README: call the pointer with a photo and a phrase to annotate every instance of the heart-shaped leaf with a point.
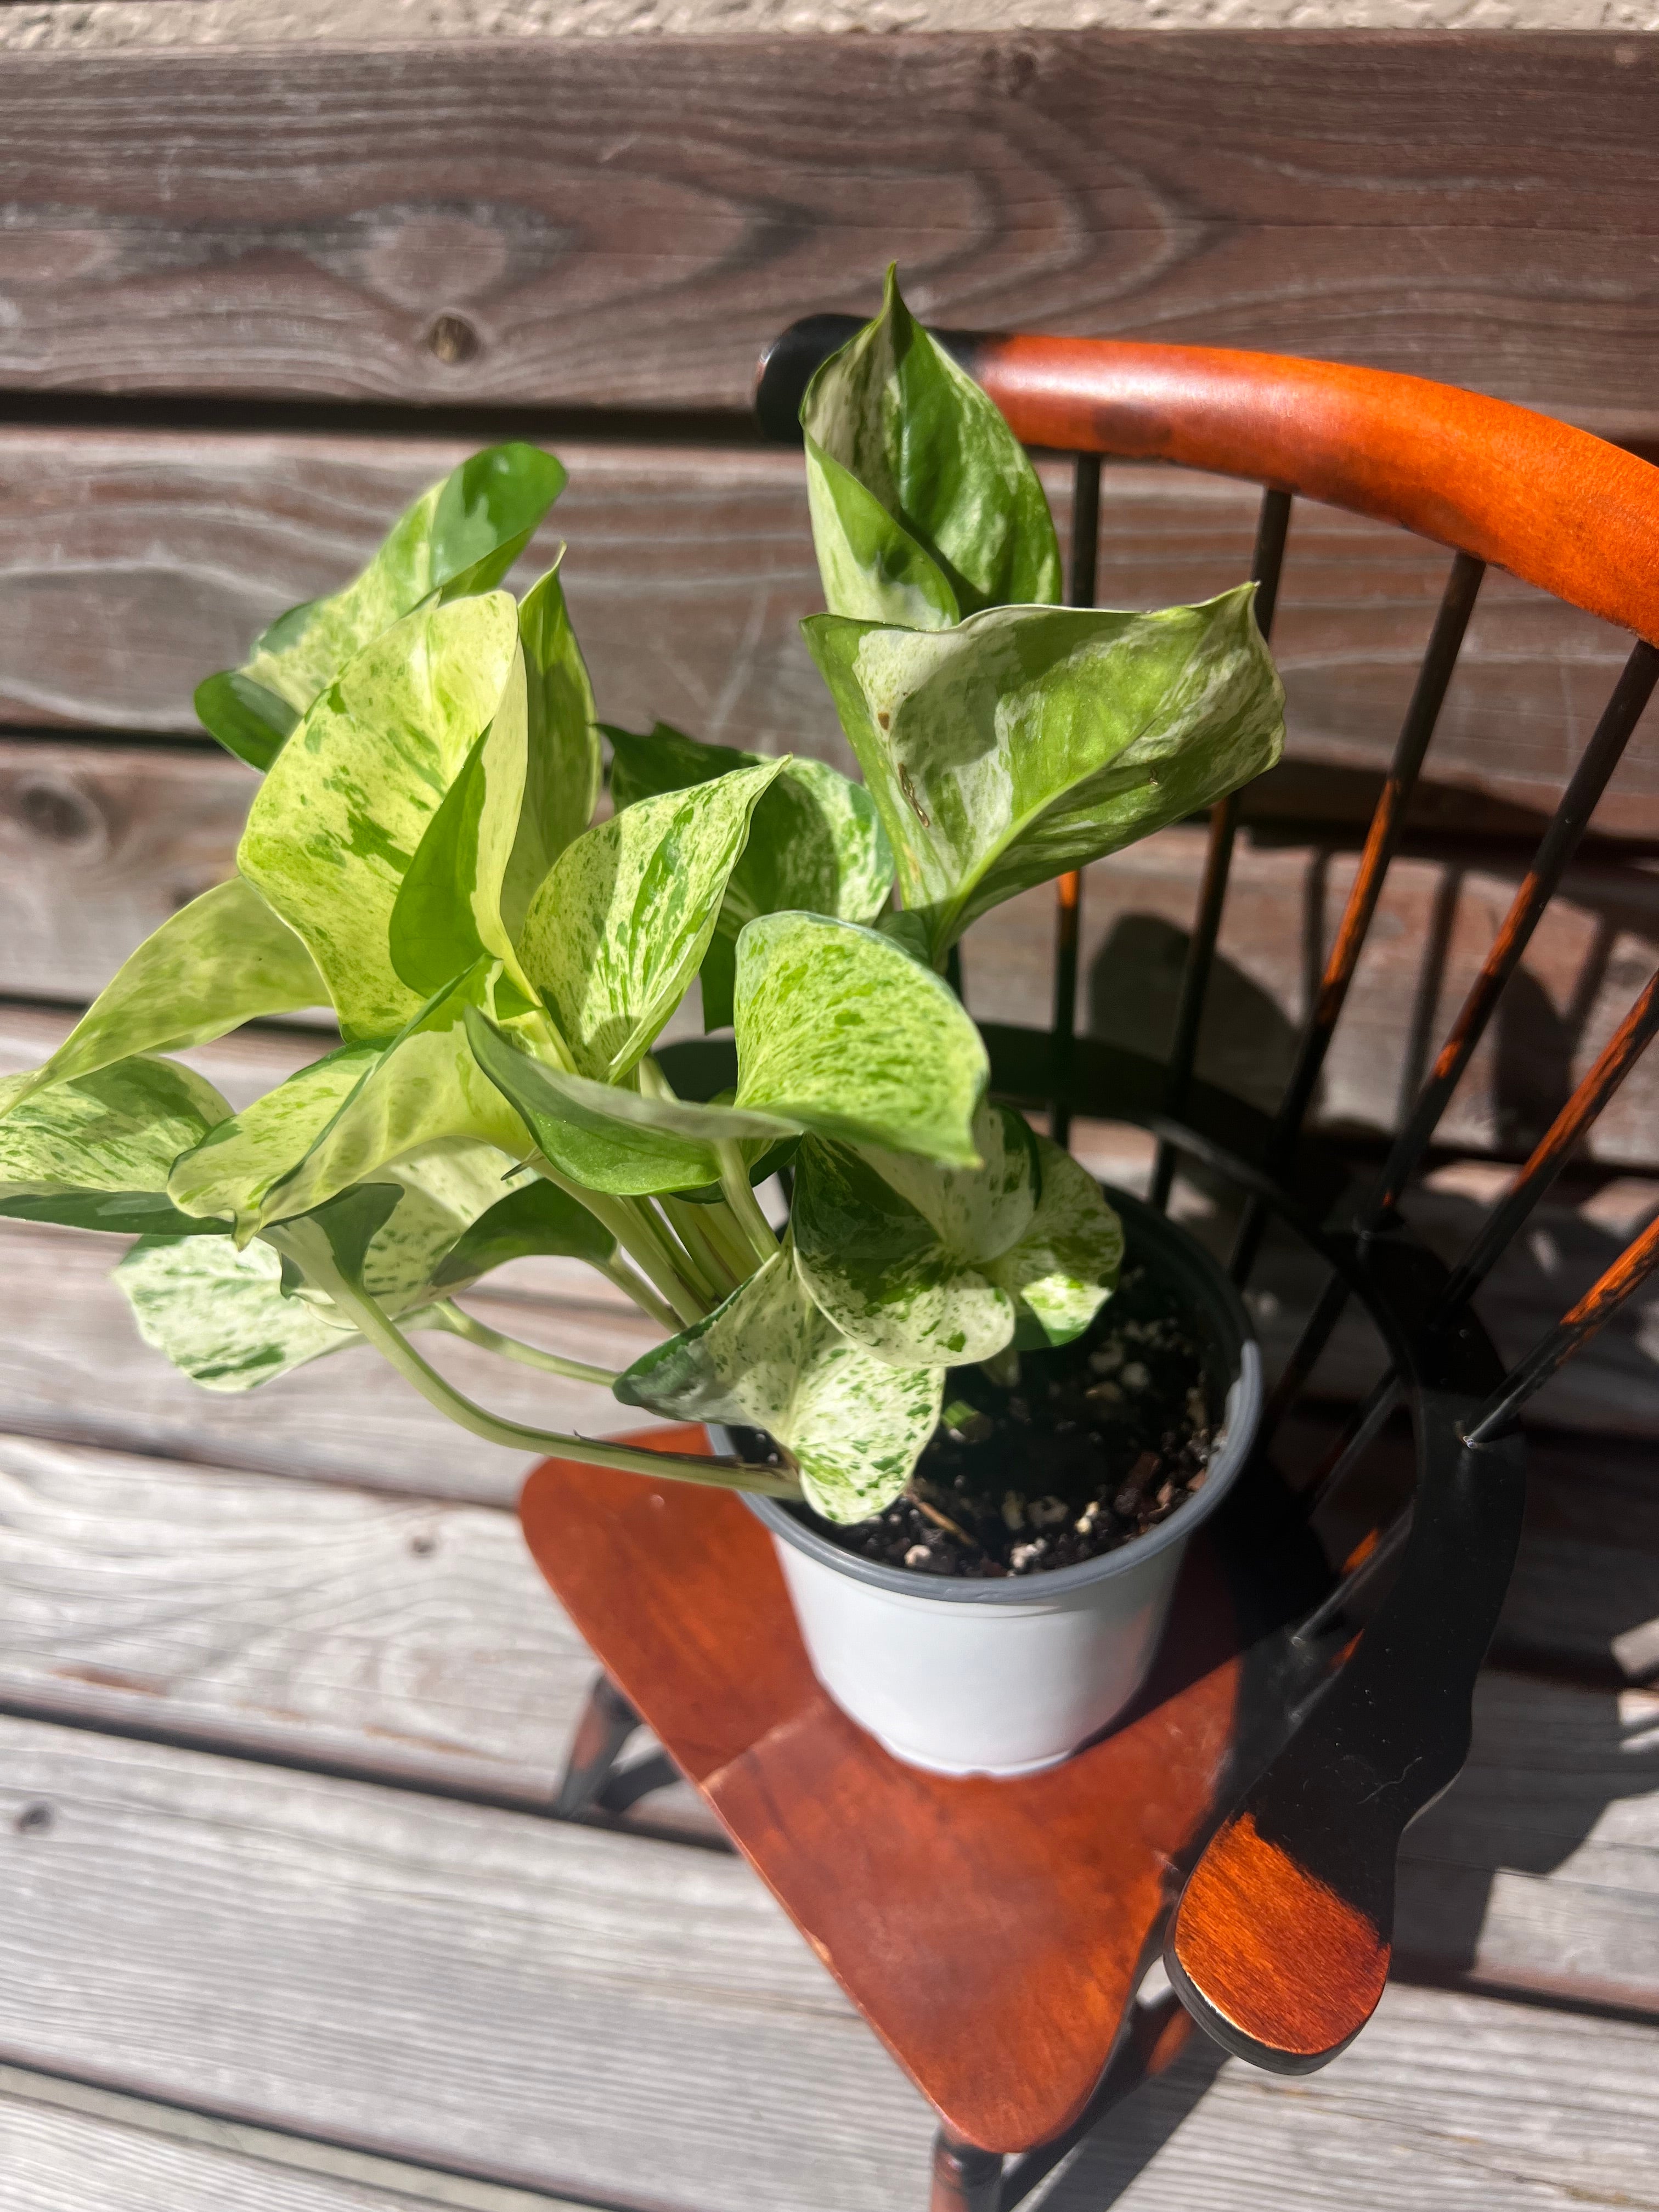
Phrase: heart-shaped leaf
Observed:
(222, 960)
(336, 824)
(94, 1151)
(610, 1138)
(424, 1089)
(617, 931)
(462, 536)
(1029, 741)
(219, 1313)
(230, 1172)
(924, 508)
(923, 1265)
(816, 843)
(840, 1031)
(768, 1359)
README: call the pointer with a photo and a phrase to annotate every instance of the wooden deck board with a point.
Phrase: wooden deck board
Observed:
(544, 2004)
(408, 1640)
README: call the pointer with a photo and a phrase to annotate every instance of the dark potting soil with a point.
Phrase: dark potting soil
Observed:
(1101, 1440)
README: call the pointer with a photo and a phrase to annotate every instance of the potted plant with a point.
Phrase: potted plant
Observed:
(980, 1406)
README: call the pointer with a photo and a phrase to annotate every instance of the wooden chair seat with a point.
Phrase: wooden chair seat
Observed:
(992, 1933)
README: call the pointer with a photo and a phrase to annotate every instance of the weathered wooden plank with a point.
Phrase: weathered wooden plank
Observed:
(610, 224)
(68, 2148)
(131, 563)
(548, 2006)
(1450, 2101)
(409, 1640)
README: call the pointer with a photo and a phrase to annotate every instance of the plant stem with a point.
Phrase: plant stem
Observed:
(734, 1182)
(643, 1243)
(395, 1348)
(696, 1234)
(689, 1261)
(445, 1314)
(636, 1287)
(725, 1234)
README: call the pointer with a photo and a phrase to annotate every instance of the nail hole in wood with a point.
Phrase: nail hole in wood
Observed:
(35, 1820)
(452, 340)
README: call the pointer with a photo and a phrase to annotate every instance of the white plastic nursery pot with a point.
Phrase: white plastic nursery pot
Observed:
(1006, 1677)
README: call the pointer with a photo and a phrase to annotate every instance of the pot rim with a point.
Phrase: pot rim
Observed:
(1216, 1300)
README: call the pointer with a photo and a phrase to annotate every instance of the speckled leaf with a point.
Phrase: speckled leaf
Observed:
(562, 770)
(222, 960)
(610, 1137)
(340, 817)
(447, 912)
(461, 536)
(1029, 741)
(617, 931)
(230, 1172)
(840, 1031)
(924, 508)
(220, 1314)
(816, 842)
(769, 1359)
(94, 1151)
(896, 1250)
(424, 1088)
(1065, 1266)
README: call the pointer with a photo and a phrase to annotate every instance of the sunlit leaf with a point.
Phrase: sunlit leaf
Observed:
(462, 536)
(610, 1137)
(840, 1031)
(219, 1313)
(337, 823)
(616, 932)
(94, 1151)
(816, 843)
(769, 1359)
(924, 508)
(222, 960)
(1032, 740)
(562, 772)
(228, 1173)
(923, 1265)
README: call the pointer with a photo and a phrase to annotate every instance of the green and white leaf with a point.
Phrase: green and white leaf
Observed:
(230, 1171)
(1029, 741)
(619, 929)
(461, 536)
(222, 960)
(219, 1313)
(839, 1030)
(563, 769)
(1066, 1266)
(610, 1137)
(424, 1089)
(339, 819)
(768, 1359)
(95, 1152)
(816, 842)
(943, 1267)
(924, 508)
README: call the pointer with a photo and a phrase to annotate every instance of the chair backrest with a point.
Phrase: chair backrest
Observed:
(1282, 1938)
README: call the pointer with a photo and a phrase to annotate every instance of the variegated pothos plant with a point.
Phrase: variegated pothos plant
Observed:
(423, 857)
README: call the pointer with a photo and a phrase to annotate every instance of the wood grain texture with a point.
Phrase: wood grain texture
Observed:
(67, 2149)
(992, 1933)
(549, 2006)
(131, 563)
(1450, 2101)
(409, 1640)
(628, 224)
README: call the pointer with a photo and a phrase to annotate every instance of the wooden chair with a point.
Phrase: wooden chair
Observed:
(1247, 1814)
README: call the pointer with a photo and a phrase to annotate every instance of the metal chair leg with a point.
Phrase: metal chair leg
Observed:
(965, 2177)
(607, 1721)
